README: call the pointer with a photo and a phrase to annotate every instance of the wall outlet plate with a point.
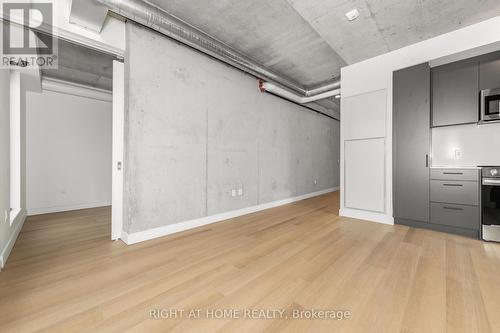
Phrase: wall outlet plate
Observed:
(458, 154)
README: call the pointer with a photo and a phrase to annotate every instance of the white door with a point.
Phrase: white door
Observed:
(118, 144)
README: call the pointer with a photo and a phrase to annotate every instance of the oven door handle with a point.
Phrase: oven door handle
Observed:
(492, 182)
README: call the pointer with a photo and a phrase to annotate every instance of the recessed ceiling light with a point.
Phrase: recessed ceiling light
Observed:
(352, 14)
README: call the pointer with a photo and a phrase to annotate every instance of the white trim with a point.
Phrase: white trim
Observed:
(470, 53)
(66, 208)
(4, 255)
(366, 215)
(75, 89)
(90, 42)
(16, 104)
(14, 214)
(145, 235)
(125, 238)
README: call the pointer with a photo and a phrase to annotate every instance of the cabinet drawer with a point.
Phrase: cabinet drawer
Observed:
(455, 174)
(457, 192)
(455, 215)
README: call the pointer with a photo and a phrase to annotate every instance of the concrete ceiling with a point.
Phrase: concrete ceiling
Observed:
(310, 40)
(269, 31)
(384, 26)
(82, 65)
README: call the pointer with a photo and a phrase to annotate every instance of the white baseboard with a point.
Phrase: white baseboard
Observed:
(145, 235)
(18, 225)
(366, 215)
(67, 208)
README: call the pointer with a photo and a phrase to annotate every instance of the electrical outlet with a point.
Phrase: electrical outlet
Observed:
(240, 192)
(315, 182)
(458, 154)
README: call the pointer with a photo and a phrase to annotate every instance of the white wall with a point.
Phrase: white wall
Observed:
(11, 225)
(68, 152)
(478, 145)
(5, 230)
(364, 144)
(375, 74)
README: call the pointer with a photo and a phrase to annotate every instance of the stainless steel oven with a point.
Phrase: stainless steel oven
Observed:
(490, 203)
(490, 105)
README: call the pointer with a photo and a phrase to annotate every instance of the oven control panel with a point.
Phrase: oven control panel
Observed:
(491, 172)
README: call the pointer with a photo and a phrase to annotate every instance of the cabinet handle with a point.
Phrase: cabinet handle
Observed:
(453, 173)
(452, 185)
(453, 208)
(426, 160)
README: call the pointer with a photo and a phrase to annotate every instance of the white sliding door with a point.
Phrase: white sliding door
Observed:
(118, 146)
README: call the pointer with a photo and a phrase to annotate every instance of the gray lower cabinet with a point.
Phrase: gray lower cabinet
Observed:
(458, 216)
(454, 174)
(455, 198)
(411, 141)
(455, 93)
(453, 191)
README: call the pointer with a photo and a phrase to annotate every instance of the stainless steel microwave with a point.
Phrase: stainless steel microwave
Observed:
(490, 104)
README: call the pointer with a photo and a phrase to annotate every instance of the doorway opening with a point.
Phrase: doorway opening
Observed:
(74, 140)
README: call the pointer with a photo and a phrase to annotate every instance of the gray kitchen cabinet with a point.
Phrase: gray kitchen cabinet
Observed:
(455, 93)
(411, 140)
(453, 191)
(455, 216)
(454, 174)
(489, 72)
(455, 201)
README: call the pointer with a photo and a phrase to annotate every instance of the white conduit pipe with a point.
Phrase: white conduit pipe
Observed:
(277, 90)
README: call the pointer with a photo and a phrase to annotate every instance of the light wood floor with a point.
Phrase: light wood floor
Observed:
(65, 275)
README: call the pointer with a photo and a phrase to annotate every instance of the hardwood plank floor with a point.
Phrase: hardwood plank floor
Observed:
(65, 275)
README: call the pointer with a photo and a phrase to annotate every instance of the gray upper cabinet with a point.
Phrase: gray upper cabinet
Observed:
(411, 140)
(489, 73)
(455, 93)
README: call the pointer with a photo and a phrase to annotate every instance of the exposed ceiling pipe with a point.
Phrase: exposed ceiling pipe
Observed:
(157, 19)
(321, 89)
(287, 94)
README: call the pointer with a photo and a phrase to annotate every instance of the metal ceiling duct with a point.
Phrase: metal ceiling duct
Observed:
(157, 19)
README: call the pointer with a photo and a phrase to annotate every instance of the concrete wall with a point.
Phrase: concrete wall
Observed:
(197, 129)
(372, 75)
(476, 143)
(68, 152)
